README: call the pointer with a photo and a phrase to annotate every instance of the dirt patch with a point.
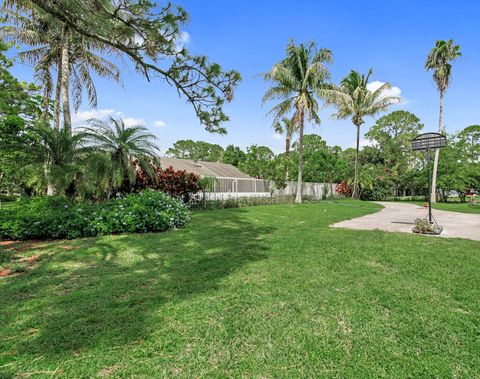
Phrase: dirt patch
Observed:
(6, 272)
(107, 371)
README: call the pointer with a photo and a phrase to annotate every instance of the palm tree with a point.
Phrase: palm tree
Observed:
(73, 56)
(296, 82)
(353, 99)
(54, 159)
(440, 59)
(123, 145)
(286, 125)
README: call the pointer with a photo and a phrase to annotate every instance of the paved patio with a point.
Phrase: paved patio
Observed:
(400, 217)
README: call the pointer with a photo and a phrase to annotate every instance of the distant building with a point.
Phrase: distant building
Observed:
(226, 180)
(204, 169)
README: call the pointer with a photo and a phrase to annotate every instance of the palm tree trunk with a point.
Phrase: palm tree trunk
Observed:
(287, 155)
(56, 110)
(287, 147)
(356, 186)
(331, 184)
(298, 198)
(46, 106)
(437, 154)
(67, 118)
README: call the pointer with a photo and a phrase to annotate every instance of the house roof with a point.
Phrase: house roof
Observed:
(203, 168)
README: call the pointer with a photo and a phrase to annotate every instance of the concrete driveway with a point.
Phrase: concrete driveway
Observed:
(400, 217)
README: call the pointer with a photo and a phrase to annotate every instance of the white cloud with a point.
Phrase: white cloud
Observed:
(277, 136)
(365, 142)
(159, 124)
(82, 116)
(131, 121)
(182, 40)
(393, 91)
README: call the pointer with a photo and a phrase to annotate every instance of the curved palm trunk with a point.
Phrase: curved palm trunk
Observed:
(356, 186)
(287, 146)
(437, 154)
(298, 198)
(56, 110)
(46, 105)
(67, 118)
(287, 154)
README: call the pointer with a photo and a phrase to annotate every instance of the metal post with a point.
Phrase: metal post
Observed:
(429, 188)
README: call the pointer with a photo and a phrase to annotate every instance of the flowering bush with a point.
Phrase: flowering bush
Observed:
(177, 183)
(57, 217)
(344, 189)
(149, 211)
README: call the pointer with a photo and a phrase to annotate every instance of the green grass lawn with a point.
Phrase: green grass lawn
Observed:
(261, 292)
(458, 207)
(453, 206)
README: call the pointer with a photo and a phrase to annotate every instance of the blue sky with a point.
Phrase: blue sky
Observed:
(392, 37)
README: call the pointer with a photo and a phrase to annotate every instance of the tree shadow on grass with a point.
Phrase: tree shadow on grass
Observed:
(101, 291)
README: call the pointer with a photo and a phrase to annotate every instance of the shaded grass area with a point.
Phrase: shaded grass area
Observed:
(269, 291)
(452, 206)
(458, 207)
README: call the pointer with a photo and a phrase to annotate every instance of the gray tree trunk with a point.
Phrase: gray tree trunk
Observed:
(298, 198)
(356, 186)
(56, 110)
(287, 154)
(437, 154)
(67, 118)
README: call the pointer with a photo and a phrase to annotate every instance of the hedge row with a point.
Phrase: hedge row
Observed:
(57, 217)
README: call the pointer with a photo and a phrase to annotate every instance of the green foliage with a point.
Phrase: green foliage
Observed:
(149, 35)
(354, 100)
(296, 83)
(121, 145)
(46, 217)
(148, 211)
(196, 150)
(233, 155)
(440, 60)
(257, 161)
(374, 194)
(57, 217)
(458, 169)
(392, 135)
(16, 98)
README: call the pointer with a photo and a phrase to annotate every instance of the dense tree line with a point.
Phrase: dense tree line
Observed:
(389, 167)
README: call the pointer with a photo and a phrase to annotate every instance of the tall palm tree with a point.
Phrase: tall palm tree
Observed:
(54, 159)
(354, 100)
(74, 57)
(123, 145)
(296, 81)
(286, 125)
(440, 60)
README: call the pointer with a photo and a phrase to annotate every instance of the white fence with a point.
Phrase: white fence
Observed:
(221, 188)
(309, 190)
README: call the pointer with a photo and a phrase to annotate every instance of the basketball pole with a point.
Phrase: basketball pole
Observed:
(429, 188)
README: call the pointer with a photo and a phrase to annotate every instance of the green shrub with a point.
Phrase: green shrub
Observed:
(242, 202)
(44, 217)
(57, 217)
(7, 198)
(375, 194)
(143, 212)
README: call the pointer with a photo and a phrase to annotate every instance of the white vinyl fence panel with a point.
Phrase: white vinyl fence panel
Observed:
(225, 188)
(309, 190)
